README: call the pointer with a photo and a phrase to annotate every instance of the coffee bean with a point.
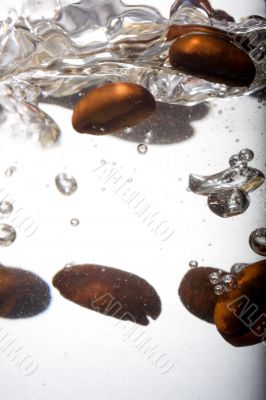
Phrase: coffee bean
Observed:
(112, 107)
(22, 293)
(240, 315)
(212, 58)
(109, 291)
(197, 293)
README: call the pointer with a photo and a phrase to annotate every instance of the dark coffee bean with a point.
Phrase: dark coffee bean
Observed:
(112, 107)
(109, 291)
(197, 293)
(212, 58)
(22, 293)
(240, 315)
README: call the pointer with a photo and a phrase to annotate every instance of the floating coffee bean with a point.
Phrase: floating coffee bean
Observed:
(240, 315)
(22, 293)
(109, 291)
(197, 292)
(212, 58)
(112, 107)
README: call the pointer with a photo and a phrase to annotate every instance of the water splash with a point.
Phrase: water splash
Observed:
(58, 50)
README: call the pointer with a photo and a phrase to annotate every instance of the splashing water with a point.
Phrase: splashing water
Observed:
(55, 49)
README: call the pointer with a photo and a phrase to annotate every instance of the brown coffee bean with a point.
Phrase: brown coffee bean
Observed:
(212, 58)
(112, 107)
(240, 315)
(197, 293)
(22, 293)
(109, 291)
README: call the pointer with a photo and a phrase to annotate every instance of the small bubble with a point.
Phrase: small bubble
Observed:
(218, 290)
(7, 235)
(142, 148)
(66, 184)
(6, 208)
(215, 278)
(103, 162)
(193, 264)
(74, 221)
(69, 264)
(246, 155)
(10, 171)
(257, 241)
(127, 130)
(237, 267)
(229, 283)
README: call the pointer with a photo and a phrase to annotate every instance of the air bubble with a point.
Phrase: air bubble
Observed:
(257, 241)
(10, 171)
(246, 155)
(218, 290)
(215, 278)
(229, 283)
(193, 264)
(7, 235)
(238, 267)
(6, 208)
(66, 184)
(142, 148)
(75, 222)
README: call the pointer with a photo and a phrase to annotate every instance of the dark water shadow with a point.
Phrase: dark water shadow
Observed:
(170, 123)
(23, 294)
(109, 291)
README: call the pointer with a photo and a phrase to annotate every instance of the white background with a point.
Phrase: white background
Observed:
(84, 355)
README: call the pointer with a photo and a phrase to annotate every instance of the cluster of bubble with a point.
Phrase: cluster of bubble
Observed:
(227, 190)
(222, 282)
(143, 147)
(7, 232)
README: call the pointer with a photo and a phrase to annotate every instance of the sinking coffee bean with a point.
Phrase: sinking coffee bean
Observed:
(22, 293)
(212, 58)
(112, 107)
(109, 291)
(197, 294)
(240, 313)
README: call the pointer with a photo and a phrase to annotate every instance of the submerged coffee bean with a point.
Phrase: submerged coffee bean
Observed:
(240, 315)
(112, 107)
(22, 293)
(212, 58)
(109, 291)
(197, 293)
